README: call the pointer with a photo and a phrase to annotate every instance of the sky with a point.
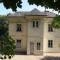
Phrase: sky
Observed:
(25, 7)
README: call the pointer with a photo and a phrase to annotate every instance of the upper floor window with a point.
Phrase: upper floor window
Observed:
(35, 23)
(50, 43)
(38, 46)
(18, 44)
(50, 28)
(19, 28)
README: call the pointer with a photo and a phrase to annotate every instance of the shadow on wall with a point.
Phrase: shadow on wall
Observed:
(20, 53)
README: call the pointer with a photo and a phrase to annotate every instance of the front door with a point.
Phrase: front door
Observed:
(31, 48)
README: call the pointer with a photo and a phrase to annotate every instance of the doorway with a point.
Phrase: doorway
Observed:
(31, 48)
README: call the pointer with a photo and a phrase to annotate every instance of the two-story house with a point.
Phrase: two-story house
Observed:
(33, 33)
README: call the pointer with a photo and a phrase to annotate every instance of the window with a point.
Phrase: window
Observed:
(38, 46)
(50, 28)
(35, 23)
(18, 44)
(19, 27)
(50, 43)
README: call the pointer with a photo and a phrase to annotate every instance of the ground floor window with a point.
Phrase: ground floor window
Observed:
(38, 45)
(18, 44)
(50, 43)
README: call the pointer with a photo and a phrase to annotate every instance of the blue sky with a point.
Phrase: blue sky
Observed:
(25, 7)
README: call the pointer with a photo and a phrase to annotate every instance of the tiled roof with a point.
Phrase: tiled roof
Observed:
(33, 12)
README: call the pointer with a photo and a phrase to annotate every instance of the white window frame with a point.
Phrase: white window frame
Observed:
(50, 43)
(35, 23)
(38, 45)
(18, 44)
(19, 28)
(50, 28)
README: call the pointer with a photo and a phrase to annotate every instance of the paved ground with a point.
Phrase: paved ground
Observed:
(26, 57)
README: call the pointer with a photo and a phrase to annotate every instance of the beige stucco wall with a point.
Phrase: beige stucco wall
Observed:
(18, 35)
(35, 35)
(55, 36)
(30, 34)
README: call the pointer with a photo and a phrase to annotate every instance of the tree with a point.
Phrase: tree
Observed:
(56, 22)
(13, 4)
(7, 44)
(54, 4)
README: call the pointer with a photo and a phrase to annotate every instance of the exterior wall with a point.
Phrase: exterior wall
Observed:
(35, 35)
(55, 36)
(19, 35)
(30, 34)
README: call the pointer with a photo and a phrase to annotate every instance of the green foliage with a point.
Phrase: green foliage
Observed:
(13, 4)
(54, 4)
(56, 22)
(7, 44)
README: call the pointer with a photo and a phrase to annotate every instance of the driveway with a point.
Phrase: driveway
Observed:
(26, 57)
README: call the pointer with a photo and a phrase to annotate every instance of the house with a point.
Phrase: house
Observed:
(33, 33)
